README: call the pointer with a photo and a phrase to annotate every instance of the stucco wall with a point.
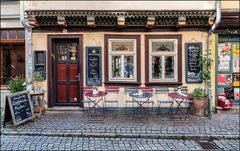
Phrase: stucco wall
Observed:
(39, 41)
(230, 4)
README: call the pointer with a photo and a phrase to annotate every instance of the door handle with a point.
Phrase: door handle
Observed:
(78, 76)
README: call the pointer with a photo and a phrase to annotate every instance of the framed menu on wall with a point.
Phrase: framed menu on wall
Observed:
(193, 53)
(93, 66)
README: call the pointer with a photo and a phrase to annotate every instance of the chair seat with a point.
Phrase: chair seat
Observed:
(185, 101)
(165, 101)
(111, 101)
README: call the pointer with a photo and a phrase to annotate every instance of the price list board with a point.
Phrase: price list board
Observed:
(193, 67)
(93, 66)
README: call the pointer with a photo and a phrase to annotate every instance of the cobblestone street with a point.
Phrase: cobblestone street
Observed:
(72, 131)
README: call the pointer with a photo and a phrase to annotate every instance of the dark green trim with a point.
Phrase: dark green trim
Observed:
(216, 70)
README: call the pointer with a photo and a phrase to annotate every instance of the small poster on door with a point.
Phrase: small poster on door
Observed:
(236, 93)
(236, 79)
(236, 50)
(224, 50)
(224, 79)
(236, 64)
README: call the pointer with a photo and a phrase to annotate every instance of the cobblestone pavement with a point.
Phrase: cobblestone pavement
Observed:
(77, 124)
(18, 142)
(71, 130)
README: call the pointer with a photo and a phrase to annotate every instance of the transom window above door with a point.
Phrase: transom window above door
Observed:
(163, 59)
(122, 58)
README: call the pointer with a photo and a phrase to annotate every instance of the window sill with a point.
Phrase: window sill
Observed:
(163, 83)
(121, 83)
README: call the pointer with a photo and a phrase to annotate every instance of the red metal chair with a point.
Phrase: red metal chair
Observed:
(86, 100)
(112, 96)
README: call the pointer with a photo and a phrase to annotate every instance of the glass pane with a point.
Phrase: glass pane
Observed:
(169, 67)
(73, 51)
(4, 34)
(156, 67)
(62, 52)
(21, 34)
(128, 67)
(162, 46)
(116, 66)
(122, 46)
(12, 34)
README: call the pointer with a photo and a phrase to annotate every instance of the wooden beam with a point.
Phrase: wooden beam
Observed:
(91, 21)
(121, 21)
(33, 21)
(150, 22)
(61, 20)
(181, 21)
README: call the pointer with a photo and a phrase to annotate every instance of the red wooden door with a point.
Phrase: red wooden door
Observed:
(67, 73)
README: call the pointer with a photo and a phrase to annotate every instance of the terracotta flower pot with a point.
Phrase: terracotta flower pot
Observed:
(198, 107)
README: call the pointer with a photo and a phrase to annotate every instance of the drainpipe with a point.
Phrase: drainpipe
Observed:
(215, 25)
(28, 42)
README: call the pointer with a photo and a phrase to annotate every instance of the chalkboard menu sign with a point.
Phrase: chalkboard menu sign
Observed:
(193, 67)
(93, 66)
(20, 106)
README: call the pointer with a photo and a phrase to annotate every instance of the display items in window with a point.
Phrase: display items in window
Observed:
(156, 67)
(128, 67)
(169, 67)
(116, 67)
(224, 51)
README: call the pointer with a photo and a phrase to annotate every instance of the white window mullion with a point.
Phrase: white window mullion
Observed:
(163, 67)
(122, 66)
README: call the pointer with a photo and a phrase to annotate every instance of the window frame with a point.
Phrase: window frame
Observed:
(149, 39)
(109, 39)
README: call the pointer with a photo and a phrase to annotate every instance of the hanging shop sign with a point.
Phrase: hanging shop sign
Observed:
(93, 66)
(193, 67)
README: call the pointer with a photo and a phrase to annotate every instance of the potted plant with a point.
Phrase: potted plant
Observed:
(199, 102)
(199, 94)
(16, 84)
(38, 78)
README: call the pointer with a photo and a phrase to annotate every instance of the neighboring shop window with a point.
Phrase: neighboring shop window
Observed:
(12, 61)
(163, 62)
(123, 58)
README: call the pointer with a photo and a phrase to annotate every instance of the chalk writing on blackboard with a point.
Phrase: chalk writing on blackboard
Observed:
(93, 66)
(20, 106)
(193, 66)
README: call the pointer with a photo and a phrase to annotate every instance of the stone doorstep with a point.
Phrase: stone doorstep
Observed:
(126, 135)
(234, 109)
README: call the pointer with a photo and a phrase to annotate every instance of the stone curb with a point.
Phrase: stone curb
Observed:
(126, 135)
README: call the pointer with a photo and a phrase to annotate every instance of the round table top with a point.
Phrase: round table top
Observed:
(179, 96)
(100, 94)
(144, 95)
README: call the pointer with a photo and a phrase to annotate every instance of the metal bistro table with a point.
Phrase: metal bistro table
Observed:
(181, 98)
(144, 95)
(100, 96)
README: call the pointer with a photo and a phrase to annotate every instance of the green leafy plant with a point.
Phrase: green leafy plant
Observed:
(199, 93)
(38, 76)
(205, 74)
(16, 84)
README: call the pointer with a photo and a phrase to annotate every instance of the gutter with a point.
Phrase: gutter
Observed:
(28, 43)
(208, 84)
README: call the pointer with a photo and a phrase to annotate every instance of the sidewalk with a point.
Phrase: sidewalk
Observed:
(75, 124)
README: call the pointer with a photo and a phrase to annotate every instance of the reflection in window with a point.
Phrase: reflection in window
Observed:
(169, 67)
(156, 67)
(116, 66)
(128, 66)
(73, 51)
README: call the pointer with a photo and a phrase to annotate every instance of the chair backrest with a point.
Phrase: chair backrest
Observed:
(162, 92)
(86, 89)
(146, 89)
(184, 89)
(112, 91)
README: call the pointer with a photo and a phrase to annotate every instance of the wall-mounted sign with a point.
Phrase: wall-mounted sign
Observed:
(93, 66)
(19, 107)
(193, 67)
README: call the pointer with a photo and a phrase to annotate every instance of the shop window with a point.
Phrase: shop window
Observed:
(21, 34)
(12, 34)
(4, 34)
(12, 61)
(123, 60)
(122, 54)
(163, 62)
